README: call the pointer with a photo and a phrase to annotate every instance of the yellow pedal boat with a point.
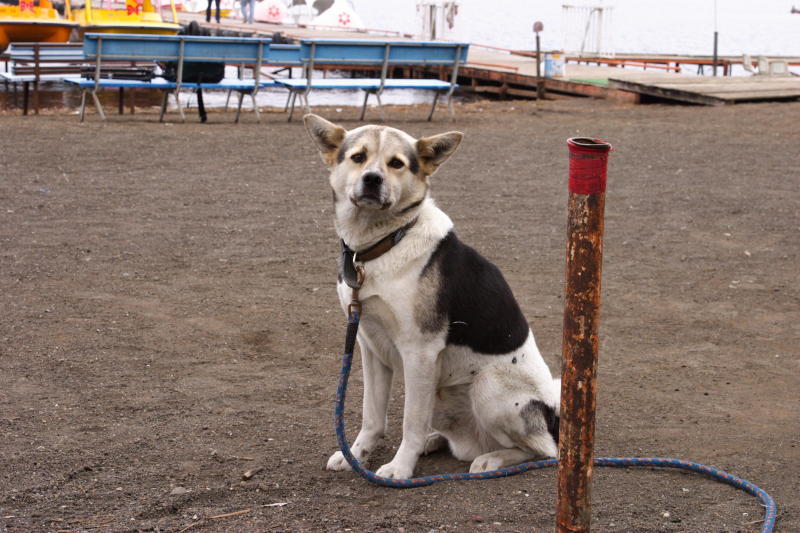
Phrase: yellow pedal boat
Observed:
(137, 16)
(29, 23)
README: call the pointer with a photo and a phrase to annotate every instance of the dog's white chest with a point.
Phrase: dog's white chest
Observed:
(384, 303)
(388, 298)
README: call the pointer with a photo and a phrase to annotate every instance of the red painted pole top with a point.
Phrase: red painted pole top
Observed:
(588, 163)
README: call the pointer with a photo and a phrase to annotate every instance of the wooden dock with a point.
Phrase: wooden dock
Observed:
(513, 73)
(677, 63)
(711, 90)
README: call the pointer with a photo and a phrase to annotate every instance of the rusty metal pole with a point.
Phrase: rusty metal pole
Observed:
(588, 162)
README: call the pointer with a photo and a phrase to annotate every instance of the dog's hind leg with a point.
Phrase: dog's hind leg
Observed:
(377, 386)
(510, 407)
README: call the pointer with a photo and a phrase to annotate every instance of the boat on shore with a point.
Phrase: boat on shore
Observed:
(27, 22)
(332, 14)
(339, 14)
(137, 16)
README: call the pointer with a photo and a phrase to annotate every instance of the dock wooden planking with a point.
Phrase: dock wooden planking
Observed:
(712, 90)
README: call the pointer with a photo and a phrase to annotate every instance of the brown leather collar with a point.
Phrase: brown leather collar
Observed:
(350, 256)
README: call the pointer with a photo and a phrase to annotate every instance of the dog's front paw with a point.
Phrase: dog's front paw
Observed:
(486, 463)
(359, 451)
(394, 470)
(337, 462)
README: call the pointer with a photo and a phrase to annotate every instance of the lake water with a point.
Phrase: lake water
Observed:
(756, 27)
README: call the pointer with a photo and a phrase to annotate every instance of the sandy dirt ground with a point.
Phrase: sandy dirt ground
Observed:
(169, 319)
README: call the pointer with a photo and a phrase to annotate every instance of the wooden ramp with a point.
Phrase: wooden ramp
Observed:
(708, 90)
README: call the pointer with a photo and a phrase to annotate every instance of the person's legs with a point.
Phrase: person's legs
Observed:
(208, 11)
(243, 7)
(251, 7)
(218, 10)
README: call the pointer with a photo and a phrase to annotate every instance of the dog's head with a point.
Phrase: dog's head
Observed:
(377, 168)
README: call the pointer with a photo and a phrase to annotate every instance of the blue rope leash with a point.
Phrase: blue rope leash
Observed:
(770, 509)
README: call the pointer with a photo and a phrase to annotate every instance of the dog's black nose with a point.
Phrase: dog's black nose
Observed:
(372, 179)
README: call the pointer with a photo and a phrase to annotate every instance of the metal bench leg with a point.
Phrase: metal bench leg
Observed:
(178, 103)
(163, 106)
(98, 105)
(433, 107)
(380, 106)
(239, 107)
(305, 101)
(36, 97)
(450, 108)
(255, 107)
(291, 110)
(228, 99)
(364, 107)
(25, 92)
(83, 104)
(288, 99)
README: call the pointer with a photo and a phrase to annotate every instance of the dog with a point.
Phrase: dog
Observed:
(433, 309)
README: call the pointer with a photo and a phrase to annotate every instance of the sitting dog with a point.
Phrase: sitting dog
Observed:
(433, 309)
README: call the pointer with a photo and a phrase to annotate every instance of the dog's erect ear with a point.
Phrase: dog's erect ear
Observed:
(327, 136)
(433, 151)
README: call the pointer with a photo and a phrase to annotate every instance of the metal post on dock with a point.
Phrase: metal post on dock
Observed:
(588, 163)
(538, 49)
(716, 39)
(715, 59)
(537, 27)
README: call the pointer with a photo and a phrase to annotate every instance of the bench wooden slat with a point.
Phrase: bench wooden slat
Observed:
(369, 84)
(335, 51)
(161, 83)
(168, 48)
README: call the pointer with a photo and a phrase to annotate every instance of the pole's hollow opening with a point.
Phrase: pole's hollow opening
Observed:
(589, 143)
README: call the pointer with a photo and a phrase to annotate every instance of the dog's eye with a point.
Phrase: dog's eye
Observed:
(360, 157)
(396, 163)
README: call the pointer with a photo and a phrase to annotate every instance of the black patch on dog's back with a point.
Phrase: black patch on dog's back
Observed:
(475, 300)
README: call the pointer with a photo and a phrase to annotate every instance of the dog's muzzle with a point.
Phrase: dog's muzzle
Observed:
(370, 192)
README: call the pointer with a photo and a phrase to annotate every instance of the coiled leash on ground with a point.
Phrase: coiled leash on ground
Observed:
(354, 311)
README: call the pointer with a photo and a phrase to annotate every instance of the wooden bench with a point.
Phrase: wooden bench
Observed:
(382, 54)
(102, 48)
(35, 63)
